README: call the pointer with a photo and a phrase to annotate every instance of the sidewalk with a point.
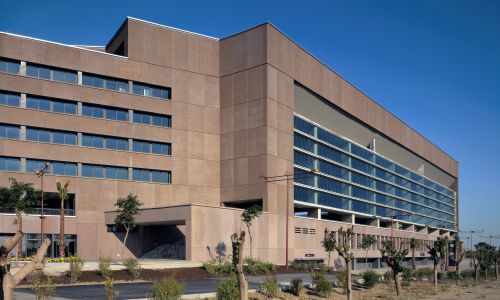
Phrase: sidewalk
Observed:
(56, 269)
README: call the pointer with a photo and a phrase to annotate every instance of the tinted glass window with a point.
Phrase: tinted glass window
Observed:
(9, 99)
(9, 131)
(9, 66)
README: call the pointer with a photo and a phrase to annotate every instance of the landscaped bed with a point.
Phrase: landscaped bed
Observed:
(150, 275)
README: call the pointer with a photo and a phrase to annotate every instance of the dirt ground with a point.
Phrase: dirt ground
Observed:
(417, 290)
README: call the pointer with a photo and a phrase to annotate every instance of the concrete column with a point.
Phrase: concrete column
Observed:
(130, 86)
(79, 77)
(79, 139)
(79, 108)
(130, 171)
(22, 68)
(131, 116)
(23, 165)
(411, 228)
(130, 144)
(79, 169)
(375, 222)
(23, 101)
(22, 133)
(319, 213)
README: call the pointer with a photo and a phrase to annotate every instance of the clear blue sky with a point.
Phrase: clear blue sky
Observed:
(434, 64)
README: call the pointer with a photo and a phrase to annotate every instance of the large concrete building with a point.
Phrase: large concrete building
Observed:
(199, 128)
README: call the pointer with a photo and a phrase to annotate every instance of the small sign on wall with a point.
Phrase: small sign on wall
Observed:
(309, 254)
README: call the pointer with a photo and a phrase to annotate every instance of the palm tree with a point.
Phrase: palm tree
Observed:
(62, 190)
(414, 244)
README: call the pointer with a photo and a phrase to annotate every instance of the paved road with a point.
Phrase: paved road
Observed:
(140, 290)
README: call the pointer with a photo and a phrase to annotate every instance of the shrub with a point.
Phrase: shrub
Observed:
(219, 267)
(342, 279)
(452, 275)
(75, 268)
(370, 278)
(388, 276)
(132, 266)
(406, 275)
(104, 267)
(228, 289)
(43, 289)
(322, 287)
(166, 289)
(109, 291)
(253, 266)
(296, 286)
(306, 266)
(270, 288)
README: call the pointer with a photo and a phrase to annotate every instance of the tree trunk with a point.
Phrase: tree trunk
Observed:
(329, 255)
(413, 264)
(476, 274)
(127, 229)
(435, 276)
(250, 236)
(9, 281)
(19, 252)
(61, 232)
(485, 273)
(396, 282)
(496, 271)
(349, 279)
(237, 245)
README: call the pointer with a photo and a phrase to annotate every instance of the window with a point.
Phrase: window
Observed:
(38, 135)
(61, 137)
(303, 194)
(333, 154)
(152, 91)
(9, 131)
(303, 143)
(333, 201)
(34, 165)
(152, 119)
(105, 83)
(47, 136)
(332, 139)
(102, 112)
(302, 159)
(152, 175)
(109, 172)
(303, 125)
(51, 73)
(64, 168)
(9, 164)
(333, 170)
(97, 141)
(9, 99)
(361, 152)
(304, 178)
(151, 147)
(9, 66)
(59, 106)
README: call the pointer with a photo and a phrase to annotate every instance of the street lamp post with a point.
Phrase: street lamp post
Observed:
(288, 178)
(40, 174)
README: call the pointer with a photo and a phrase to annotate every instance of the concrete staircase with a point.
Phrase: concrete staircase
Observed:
(167, 251)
